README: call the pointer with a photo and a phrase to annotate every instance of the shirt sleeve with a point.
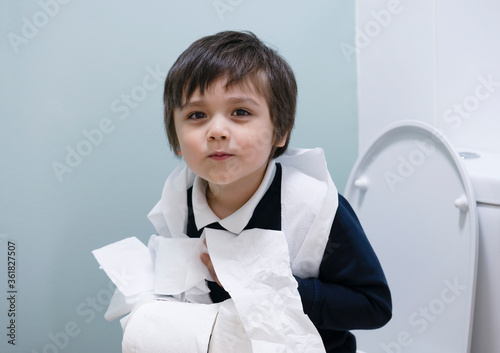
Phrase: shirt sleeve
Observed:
(351, 291)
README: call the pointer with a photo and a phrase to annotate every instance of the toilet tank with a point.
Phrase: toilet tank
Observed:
(484, 171)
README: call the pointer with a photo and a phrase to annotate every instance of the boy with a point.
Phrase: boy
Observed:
(229, 110)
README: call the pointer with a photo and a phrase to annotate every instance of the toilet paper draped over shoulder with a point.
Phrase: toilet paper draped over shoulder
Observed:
(308, 202)
(164, 287)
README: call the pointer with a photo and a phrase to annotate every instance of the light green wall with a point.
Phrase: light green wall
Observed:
(65, 68)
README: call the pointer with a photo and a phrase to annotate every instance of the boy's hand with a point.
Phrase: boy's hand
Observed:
(205, 258)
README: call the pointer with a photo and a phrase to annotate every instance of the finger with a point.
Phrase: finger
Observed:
(205, 258)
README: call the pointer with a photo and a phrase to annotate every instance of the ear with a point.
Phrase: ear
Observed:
(282, 141)
(179, 152)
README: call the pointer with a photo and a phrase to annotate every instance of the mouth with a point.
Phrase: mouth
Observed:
(220, 156)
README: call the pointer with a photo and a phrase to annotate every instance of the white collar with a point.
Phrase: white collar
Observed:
(236, 222)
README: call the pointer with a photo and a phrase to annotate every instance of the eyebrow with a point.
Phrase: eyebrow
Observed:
(243, 99)
(236, 99)
(190, 104)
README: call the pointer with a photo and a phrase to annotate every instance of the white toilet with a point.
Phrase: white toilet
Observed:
(418, 200)
(484, 172)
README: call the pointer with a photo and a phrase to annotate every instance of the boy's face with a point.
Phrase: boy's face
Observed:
(226, 135)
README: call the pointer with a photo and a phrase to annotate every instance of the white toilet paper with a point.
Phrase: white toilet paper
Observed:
(264, 314)
(169, 326)
(129, 265)
(254, 267)
(228, 334)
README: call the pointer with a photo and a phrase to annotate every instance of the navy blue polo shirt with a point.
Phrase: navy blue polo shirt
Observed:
(351, 291)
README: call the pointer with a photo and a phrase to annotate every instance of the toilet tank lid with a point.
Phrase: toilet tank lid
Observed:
(484, 171)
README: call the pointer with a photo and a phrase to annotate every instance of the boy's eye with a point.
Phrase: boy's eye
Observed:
(197, 115)
(241, 112)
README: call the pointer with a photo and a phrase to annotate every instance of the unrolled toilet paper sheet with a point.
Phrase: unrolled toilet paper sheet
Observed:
(264, 314)
(254, 267)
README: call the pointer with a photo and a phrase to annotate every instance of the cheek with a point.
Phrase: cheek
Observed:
(265, 136)
(188, 140)
(257, 145)
(260, 139)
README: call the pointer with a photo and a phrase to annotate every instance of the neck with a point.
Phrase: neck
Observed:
(224, 200)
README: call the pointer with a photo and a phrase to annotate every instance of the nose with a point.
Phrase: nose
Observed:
(218, 129)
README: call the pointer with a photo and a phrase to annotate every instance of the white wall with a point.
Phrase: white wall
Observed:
(468, 72)
(86, 76)
(432, 61)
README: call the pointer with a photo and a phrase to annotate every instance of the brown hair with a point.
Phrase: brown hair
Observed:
(236, 56)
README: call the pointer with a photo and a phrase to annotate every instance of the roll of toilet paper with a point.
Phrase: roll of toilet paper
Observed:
(168, 326)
